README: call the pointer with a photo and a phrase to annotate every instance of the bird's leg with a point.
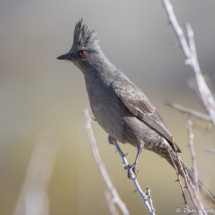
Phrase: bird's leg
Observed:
(133, 167)
(111, 140)
(129, 167)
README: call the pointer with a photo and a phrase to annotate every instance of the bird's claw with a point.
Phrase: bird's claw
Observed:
(132, 168)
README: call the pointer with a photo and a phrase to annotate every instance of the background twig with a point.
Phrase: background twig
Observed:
(110, 203)
(212, 151)
(191, 59)
(193, 154)
(33, 199)
(189, 111)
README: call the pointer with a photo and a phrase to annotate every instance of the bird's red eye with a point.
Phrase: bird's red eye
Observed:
(82, 53)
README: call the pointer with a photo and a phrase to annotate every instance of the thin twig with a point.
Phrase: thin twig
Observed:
(193, 156)
(185, 176)
(180, 183)
(212, 151)
(138, 188)
(101, 165)
(110, 203)
(201, 210)
(189, 111)
(192, 152)
(150, 199)
(191, 59)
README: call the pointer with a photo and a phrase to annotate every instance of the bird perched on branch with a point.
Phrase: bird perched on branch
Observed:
(119, 106)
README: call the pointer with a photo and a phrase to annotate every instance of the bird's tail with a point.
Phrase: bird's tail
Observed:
(208, 199)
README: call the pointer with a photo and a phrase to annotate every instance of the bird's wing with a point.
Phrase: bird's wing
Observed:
(140, 106)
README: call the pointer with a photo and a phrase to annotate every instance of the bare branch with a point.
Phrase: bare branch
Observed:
(138, 188)
(190, 35)
(191, 59)
(110, 202)
(101, 165)
(189, 111)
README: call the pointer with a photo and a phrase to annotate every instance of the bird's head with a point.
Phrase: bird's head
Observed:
(85, 46)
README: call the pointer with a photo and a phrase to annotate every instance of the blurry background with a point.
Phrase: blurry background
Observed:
(41, 94)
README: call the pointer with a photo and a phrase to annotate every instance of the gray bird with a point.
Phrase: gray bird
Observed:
(119, 106)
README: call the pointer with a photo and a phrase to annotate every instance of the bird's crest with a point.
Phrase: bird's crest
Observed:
(85, 38)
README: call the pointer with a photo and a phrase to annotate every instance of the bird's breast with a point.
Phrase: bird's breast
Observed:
(107, 110)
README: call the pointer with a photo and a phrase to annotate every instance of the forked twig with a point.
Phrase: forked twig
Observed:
(150, 199)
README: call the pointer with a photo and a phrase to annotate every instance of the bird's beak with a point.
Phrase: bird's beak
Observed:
(64, 57)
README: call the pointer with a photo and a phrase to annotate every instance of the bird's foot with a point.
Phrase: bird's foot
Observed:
(111, 140)
(132, 168)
